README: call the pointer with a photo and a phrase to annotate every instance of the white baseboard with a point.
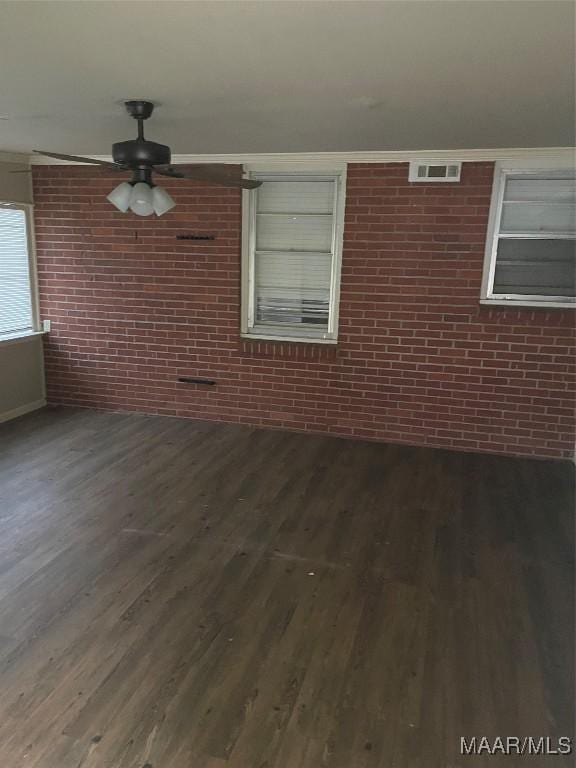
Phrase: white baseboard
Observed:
(22, 409)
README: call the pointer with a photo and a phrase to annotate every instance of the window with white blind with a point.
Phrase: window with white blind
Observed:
(531, 248)
(18, 315)
(292, 253)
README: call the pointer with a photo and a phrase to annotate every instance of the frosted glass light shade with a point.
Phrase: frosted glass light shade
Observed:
(120, 196)
(141, 199)
(161, 201)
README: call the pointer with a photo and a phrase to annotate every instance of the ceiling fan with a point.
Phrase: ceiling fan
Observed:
(145, 158)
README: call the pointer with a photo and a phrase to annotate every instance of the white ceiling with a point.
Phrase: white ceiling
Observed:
(246, 77)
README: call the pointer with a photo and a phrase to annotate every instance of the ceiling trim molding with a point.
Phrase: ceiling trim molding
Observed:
(15, 157)
(561, 154)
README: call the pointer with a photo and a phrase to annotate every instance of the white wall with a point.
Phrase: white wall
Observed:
(21, 377)
(22, 387)
(15, 187)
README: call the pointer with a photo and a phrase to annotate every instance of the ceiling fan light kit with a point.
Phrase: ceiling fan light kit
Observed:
(143, 158)
(141, 198)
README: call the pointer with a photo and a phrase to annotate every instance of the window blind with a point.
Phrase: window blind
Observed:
(15, 293)
(293, 256)
(536, 239)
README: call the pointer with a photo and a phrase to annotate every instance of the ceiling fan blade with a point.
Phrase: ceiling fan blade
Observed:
(199, 173)
(222, 168)
(77, 159)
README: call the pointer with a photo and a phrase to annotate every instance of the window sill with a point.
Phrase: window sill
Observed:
(288, 339)
(18, 338)
(513, 304)
(282, 349)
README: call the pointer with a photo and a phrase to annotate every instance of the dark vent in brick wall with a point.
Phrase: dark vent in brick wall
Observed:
(195, 237)
(195, 380)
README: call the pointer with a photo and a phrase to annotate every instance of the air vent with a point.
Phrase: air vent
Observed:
(433, 172)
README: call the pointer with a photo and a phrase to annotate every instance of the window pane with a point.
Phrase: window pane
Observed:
(299, 232)
(538, 217)
(546, 189)
(305, 309)
(293, 288)
(15, 301)
(296, 197)
(536, 267)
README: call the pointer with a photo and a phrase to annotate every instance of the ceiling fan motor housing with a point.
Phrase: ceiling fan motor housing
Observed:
(136, 153)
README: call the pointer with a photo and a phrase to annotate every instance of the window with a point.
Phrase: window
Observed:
(291, 256)
(531, 247)
(18, 305)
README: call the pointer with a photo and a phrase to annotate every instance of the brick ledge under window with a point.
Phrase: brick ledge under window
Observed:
(292, 350)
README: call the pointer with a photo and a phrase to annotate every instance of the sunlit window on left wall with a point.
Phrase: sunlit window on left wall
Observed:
(17, 315)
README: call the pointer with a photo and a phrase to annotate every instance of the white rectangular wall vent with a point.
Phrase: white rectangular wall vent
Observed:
(433, 172)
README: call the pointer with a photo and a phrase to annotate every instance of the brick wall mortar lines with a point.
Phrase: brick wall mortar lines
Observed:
(418, 359)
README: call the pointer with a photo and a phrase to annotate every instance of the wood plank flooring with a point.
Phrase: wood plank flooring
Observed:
(178, 594)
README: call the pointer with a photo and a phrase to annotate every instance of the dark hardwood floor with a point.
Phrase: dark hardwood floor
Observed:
(179, 594)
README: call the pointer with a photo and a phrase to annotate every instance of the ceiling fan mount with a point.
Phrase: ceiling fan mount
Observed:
(139, 109)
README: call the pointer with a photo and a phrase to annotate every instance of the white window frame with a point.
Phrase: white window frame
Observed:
(248, 328)
(36, 329)
(503, 169)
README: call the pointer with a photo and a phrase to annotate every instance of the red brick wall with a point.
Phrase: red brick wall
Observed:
(418, 360)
